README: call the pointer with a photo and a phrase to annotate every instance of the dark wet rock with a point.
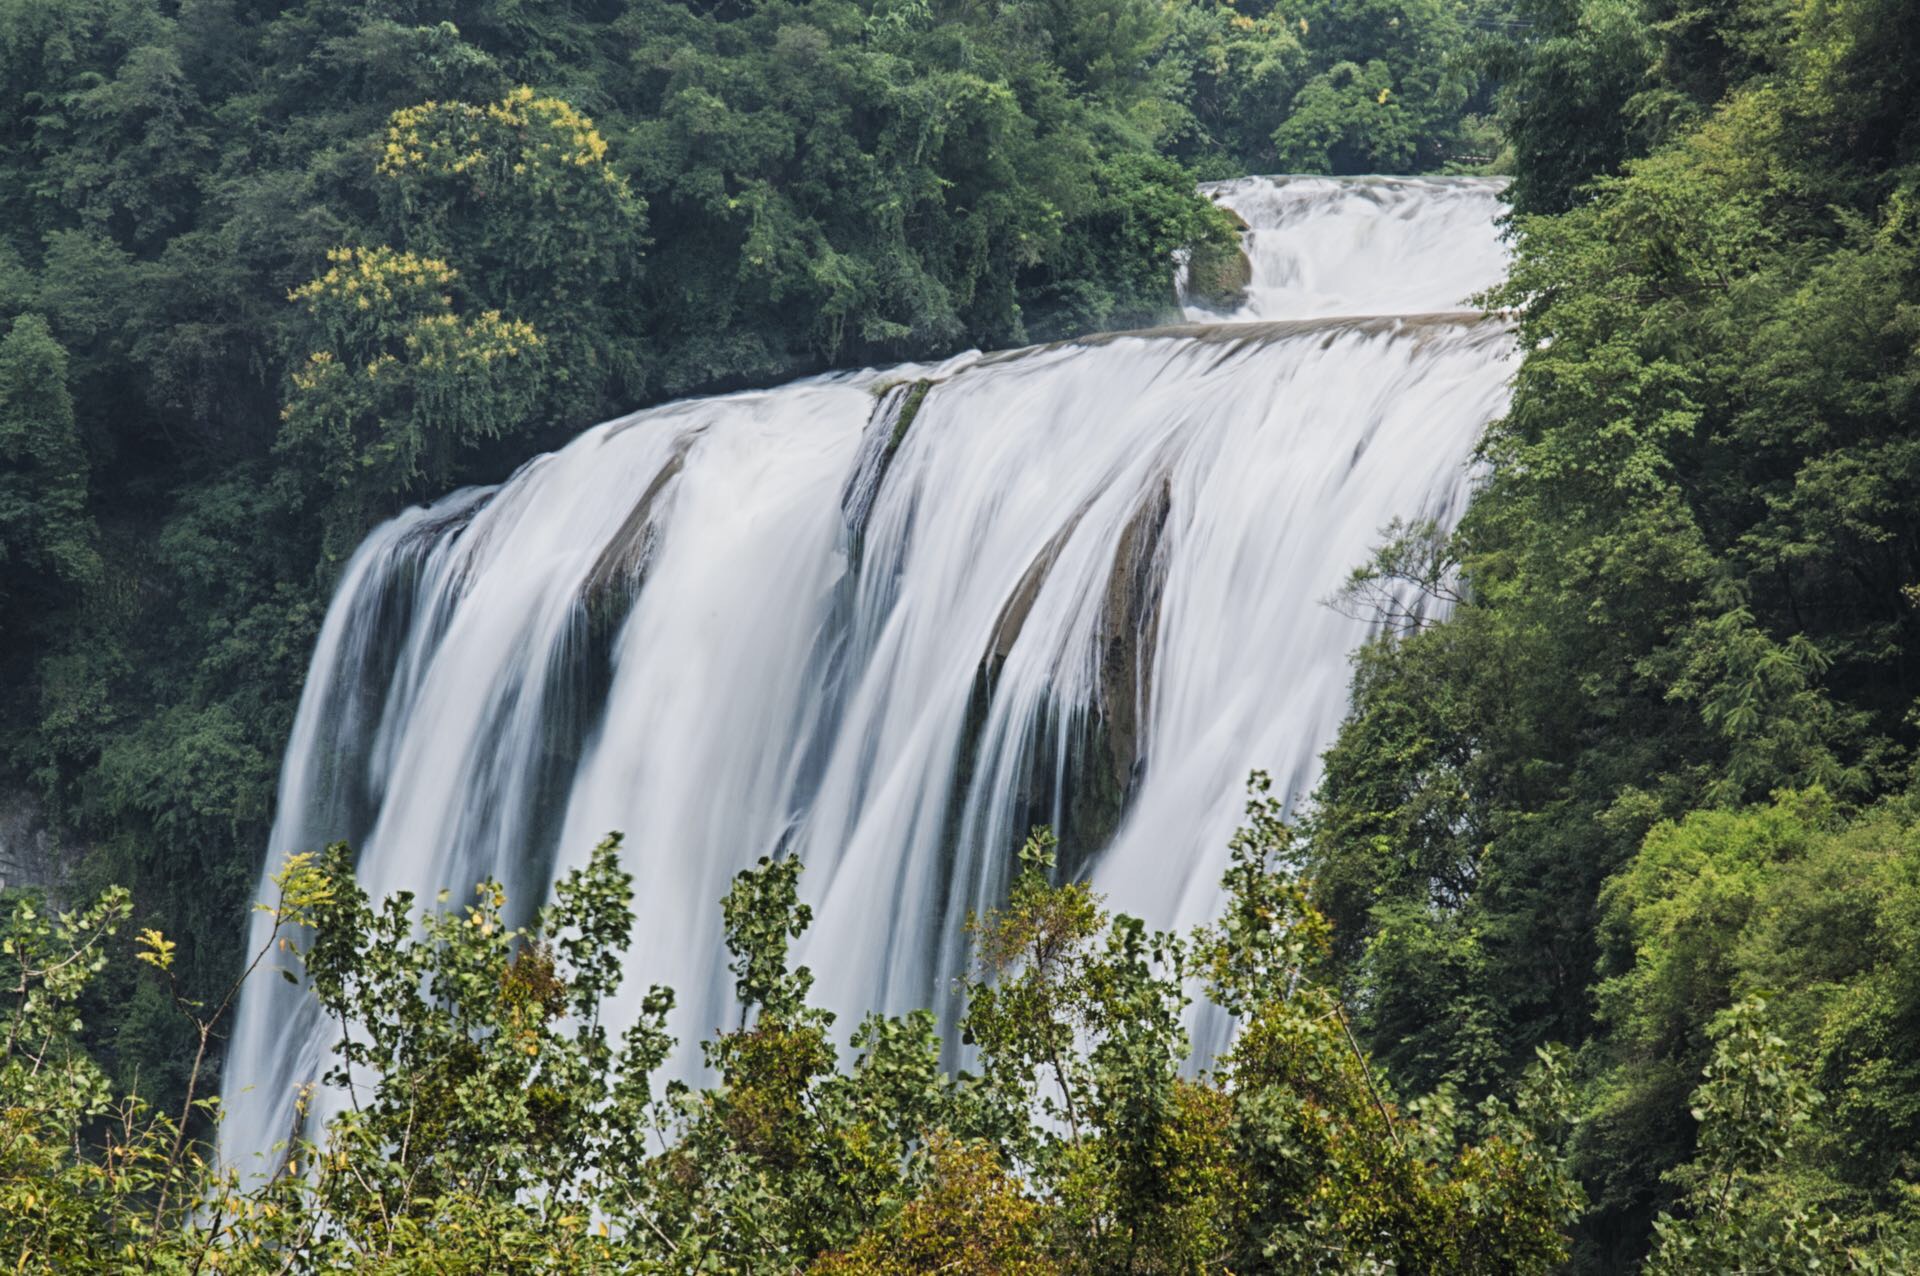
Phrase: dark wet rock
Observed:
(614, 580)
(1019, 605)
(1218, 276)
(1081, 770)
(898, 404)
(1109, 749)
(34, 855)
(1130, 625)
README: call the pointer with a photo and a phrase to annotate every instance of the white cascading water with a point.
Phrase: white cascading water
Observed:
(1083, 586)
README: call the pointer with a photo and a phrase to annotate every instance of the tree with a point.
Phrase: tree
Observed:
(488, 1116)
(46, 531)
(45, 528)
(1295, 1147)
(522, 194)
(1680, 590)
(1754, 1109)
(1240, 68)
(1568, 77)
(1387, 82)
(398, 383)
(98, 1178)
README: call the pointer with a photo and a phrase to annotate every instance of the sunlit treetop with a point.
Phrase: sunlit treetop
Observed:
(364, 276)
(522, 131)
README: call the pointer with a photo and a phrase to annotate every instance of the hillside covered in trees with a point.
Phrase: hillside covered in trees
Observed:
(1652, 781)
(1601, 951)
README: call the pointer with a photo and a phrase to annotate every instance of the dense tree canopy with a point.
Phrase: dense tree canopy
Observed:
(46, 533)
(495, 1122)
(1687, 588)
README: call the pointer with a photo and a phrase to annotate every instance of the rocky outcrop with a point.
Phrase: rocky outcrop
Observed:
(1130, 623)
(1109, 748)
(898, 404)
(1013, 616)
(32, 854)
(1086, 791)
(1218, 272)
(614, 580)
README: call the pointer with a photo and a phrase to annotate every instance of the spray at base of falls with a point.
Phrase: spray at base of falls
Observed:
(887, 622)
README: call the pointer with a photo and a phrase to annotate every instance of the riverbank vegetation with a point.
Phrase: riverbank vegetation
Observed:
(1651, 785)
(494, 1122)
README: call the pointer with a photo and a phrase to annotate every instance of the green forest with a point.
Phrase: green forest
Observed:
(1597, 948)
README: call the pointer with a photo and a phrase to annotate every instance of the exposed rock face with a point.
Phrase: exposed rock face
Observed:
(1086, 792)
(615, 580)
(898, 404)
(1109, 752)
(1013, 617)
(1218, 275)
(1129, 626)
(32, 854)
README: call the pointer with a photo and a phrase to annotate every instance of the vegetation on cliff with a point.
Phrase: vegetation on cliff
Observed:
(1659, 762)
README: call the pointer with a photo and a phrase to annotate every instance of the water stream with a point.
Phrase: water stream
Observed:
(888, 620)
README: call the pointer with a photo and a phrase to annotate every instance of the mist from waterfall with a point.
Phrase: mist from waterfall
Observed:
(887, 621)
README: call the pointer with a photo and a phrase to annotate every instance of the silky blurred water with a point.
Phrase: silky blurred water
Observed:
(1085, 586)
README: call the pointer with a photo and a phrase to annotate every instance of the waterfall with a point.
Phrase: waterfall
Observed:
(887, 621)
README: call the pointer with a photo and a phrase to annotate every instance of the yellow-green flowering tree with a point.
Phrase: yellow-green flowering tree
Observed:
(398, 382)
(521, 194)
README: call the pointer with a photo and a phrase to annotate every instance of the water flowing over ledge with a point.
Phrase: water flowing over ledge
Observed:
(887, 621)
(1324, 246)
